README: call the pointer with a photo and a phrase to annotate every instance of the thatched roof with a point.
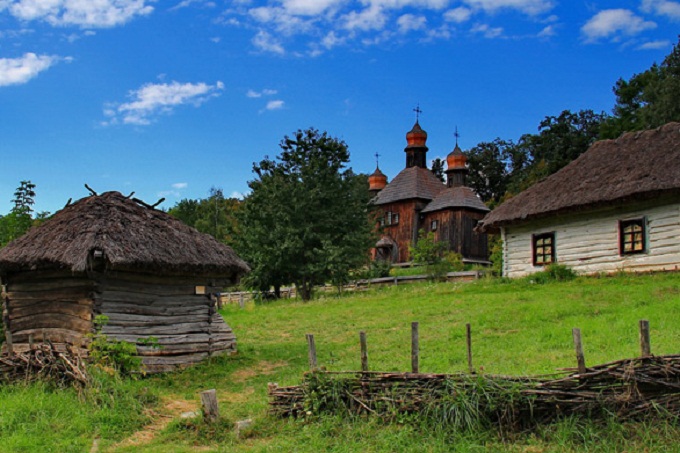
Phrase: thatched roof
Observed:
(637, 166)
(131, 237)
(410, 183)
(455, 198)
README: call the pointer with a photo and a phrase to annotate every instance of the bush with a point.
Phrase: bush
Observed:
(429, 252)
(554, 273)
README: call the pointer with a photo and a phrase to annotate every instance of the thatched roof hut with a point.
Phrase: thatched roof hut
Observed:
(149, 273)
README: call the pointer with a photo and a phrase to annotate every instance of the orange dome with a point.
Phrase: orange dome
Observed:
(456, 159)
(416, 137)
(377, 181)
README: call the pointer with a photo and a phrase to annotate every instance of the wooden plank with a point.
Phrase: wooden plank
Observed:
(179, 329)
(312, 351)
(211, 411)
(578, 346)
(415, 348)
(159, 310)
(50, 285)
(468, 337)
(52, 320)
(75, 293)
(79, 311)
(645, 346)
(148, 298)
(56, 335)
(364, 351)
(187, 348)
(180, 339)
(120, 319)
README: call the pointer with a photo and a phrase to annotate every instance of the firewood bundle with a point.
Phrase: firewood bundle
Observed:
(44, 362)
(629, 389)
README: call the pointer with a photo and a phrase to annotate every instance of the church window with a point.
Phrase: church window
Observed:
(434, 225)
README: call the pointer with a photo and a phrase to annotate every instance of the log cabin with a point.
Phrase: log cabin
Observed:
(614, 208)
(417, 200)
(112, 255)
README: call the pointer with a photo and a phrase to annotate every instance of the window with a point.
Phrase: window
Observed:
(390, 218)
(543, 248)
(433, 225)
(632, 236)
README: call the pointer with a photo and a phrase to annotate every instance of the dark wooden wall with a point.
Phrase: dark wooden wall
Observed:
(52, 305)
(456, 228)
(186, 325)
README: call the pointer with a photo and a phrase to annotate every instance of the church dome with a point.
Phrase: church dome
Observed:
(456, 159)
(416, 137)
(377, 181)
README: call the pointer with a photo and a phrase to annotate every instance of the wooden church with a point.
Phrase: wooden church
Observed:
(417, 200)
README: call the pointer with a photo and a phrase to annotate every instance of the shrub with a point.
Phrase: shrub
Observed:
(429, 252)
(554, 273)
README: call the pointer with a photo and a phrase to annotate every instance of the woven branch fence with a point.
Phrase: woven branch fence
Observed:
(628, 389)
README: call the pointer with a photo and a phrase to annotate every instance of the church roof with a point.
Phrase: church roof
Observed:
(456, 197)
(410, 183)
(634, 167)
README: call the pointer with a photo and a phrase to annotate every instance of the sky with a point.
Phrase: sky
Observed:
(168, 98)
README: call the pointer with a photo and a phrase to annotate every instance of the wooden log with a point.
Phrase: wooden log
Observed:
(120, 319)
(468, 337)
(645, 346)
(211, 411)
(8, 342)
(52, 308)
(364, 351)
(50, 320)
(415, 348)
(179, 329)
(578, 346)
(312, 351)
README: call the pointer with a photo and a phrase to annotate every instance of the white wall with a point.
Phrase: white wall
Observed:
(590, 243)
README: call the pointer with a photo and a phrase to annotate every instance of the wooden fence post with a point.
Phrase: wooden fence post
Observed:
(8, 341)
(415, 347)
(364, 351)
(312, 351)
(578, 346)
(211, 412)
(645, 345)
(468, 337)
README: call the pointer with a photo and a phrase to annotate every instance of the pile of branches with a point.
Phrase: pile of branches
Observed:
(629, 389)
(44, 362)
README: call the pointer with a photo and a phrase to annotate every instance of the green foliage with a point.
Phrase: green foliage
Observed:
(112, 355)
(20, 218)
(429, 252)
(438, 169)
(305, 221)
(215, 215)
(553, 273)
(496, 254)
(647, 100)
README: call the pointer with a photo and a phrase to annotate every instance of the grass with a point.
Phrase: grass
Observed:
(519, 327)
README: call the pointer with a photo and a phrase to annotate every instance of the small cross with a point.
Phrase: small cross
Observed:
(376, 159)
(456, 134)
(418, 112)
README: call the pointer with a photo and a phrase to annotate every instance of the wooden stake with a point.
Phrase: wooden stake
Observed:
(415, 347)
(645, 346)
(468, 336)
(211, 412)
(8, 341)
(312, 351)
(364, 351)
(578, 346)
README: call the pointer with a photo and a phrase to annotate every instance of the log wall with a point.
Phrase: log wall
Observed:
(186, 325)
(456, 228)
(54, 306)
(589, 243)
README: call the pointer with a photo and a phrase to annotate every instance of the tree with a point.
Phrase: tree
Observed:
(215, 215)
(438, 169)
(305, 221)
(490, 169)
(647, 100)
(20, 218)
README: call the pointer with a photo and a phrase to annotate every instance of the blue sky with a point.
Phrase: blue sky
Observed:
(168, 98)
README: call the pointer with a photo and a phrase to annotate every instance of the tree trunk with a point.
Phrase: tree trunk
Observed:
(277, 291)
(305, 289)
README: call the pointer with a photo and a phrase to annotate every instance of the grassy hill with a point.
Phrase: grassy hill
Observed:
(519, 328)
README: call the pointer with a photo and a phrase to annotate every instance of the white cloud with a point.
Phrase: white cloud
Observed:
(83, 13)
(267, 43)
(180, 185)
(487, 31)
(411, 22)
(547, 32)
(152, 100)
(654, 45)
(371, 18)
(662, 8)
(531, 7)
(458, 15)
(613, 23)
(259, 94)
(331, 40)
(17, 71)
(275, 105)
(310, 7)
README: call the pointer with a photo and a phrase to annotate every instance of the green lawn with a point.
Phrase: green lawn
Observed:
(519, 328)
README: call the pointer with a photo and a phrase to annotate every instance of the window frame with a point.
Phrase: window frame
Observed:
(642, 241)
(434, 225)
(390, 218)
(535, 238)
